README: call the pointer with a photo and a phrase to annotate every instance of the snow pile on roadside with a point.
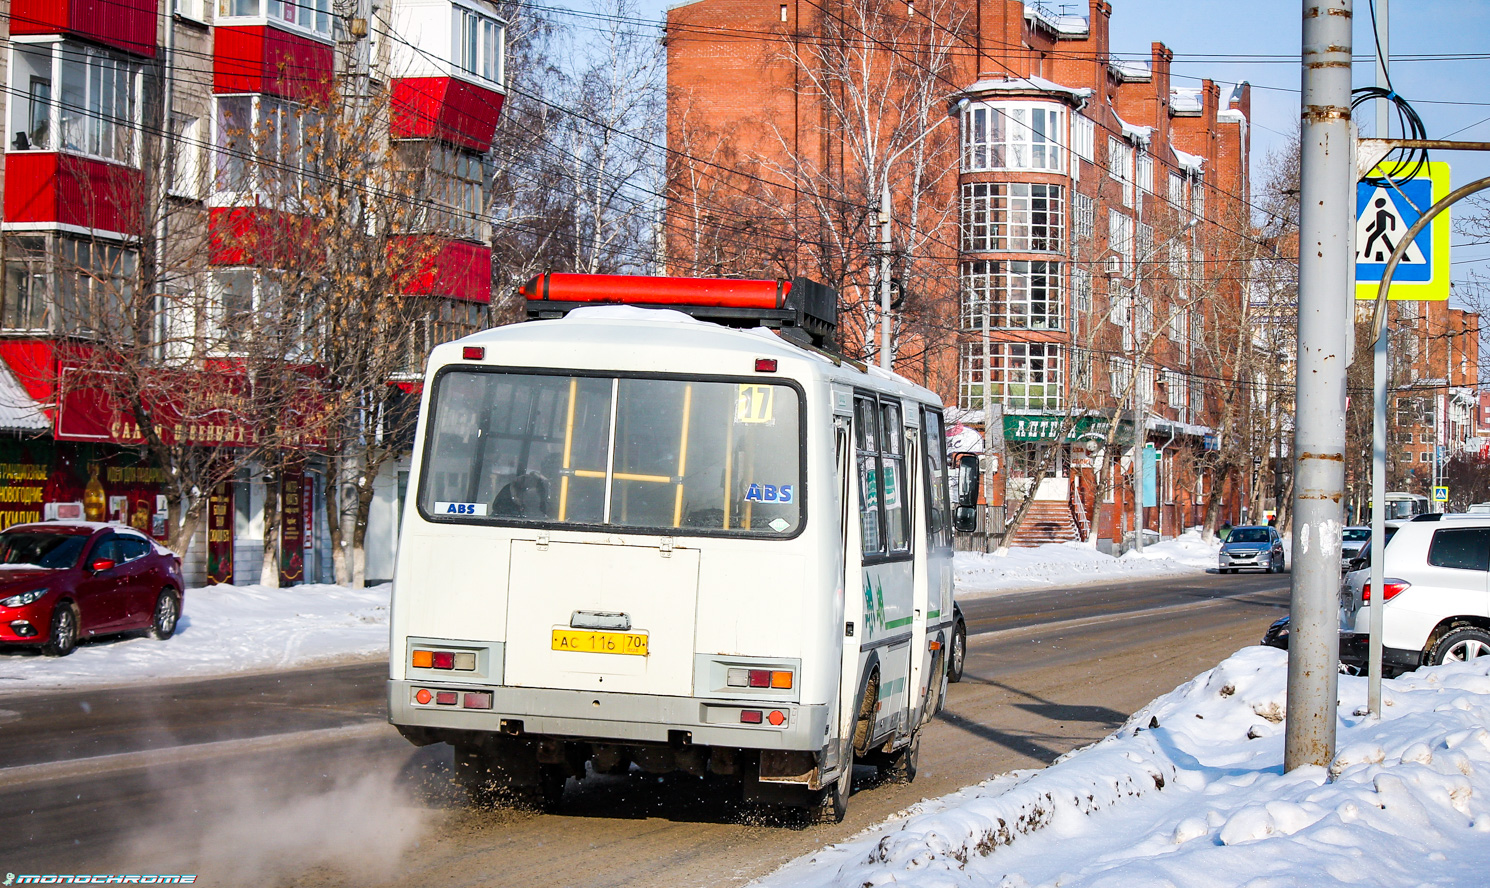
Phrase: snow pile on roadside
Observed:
(1062, 564)
(224, 629)
(1187, 549)
(1191, 791)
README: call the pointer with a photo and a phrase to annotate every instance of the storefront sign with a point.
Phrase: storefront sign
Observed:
(292, 528)
(1046, 426)
(220, 520)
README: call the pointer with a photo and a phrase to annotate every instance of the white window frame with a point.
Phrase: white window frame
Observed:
(188, 172)
(1177, 191)
(1197, 197)
(312, 17)
(1015, 294)
(1120, 238)
(102, 120)
(1014, 136)
(1144, 167)
(1016, 217)
(1083, 221)
(1120, 165)
(1083, 138)
(478, 44)
(266, 154)
(1081, 291)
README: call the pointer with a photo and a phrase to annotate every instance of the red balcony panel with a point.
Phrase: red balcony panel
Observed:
(261, 237)
(445, 108)
(50, 187)
(263, 59)
(128, 25)
(451, 268)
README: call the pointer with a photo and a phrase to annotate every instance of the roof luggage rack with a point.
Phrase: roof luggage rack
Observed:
(803, 310)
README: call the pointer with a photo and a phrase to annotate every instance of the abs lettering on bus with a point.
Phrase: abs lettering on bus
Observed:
(460, 509)
(769, 493)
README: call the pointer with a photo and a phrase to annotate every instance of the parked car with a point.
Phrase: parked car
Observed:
(1435, 596)
(958, 653)
(1352, 541)
(1256, 547)
(65, 580)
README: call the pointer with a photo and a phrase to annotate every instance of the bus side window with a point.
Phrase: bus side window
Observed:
(893, 484)
(934, 443)
(866, 424)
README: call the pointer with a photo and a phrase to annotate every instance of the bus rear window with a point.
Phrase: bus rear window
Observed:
(665, 455)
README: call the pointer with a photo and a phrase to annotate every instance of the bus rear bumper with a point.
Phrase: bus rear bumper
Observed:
(607, 717)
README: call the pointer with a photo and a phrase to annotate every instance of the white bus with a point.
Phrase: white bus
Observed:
(639, 539)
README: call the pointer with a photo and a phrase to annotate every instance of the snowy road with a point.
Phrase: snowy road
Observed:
(347, 801)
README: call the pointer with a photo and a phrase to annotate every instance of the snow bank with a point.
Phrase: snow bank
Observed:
(223, 629)
(1065, 564)
(1191, 792)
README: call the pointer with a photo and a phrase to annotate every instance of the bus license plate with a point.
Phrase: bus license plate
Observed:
(587, 642)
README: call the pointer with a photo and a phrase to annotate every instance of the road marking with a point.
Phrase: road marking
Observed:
(1078, 622)
(177, 755)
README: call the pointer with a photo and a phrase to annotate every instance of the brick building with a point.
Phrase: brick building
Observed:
(1075, 239)
(166, 132)
(1437, 405)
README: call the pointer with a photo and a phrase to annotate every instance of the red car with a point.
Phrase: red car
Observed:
(64, 580)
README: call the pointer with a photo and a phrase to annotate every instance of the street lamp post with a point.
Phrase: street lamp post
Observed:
(886, 354)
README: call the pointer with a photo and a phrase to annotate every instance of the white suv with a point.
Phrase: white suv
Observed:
(1437, 595)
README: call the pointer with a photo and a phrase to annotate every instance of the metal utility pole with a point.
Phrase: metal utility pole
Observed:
(886, 359)
(1326, 194)
(1378, 421)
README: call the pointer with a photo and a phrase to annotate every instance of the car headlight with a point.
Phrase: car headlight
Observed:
(24, 598)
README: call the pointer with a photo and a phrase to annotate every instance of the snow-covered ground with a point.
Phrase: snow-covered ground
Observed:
(1191, 792)
(1069, 564)
(223, 629)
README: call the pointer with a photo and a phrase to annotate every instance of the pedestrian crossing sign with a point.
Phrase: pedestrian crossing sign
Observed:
(1384, 212)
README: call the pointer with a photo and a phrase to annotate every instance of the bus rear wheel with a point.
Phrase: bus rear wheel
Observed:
(830, 804)
(900, 766)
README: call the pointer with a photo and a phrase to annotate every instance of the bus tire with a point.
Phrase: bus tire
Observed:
(831, 802)
(900, 765)
(958, 652)
(864, 724)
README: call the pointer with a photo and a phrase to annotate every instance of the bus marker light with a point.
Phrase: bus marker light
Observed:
(473, 352)
(781, 680)
(466, 661)
(936, 645)
(760, 678)
(750, 716)
(422, 660)
(446, 698)
(776, 717)
(478, 700)
(423, 696)
(444, 660)
(765, 365)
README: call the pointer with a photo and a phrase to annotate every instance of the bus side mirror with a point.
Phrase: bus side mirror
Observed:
(965, 518)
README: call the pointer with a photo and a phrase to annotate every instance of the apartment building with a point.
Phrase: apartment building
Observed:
(172, 144)
(1437, 400)
(1078, 243)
